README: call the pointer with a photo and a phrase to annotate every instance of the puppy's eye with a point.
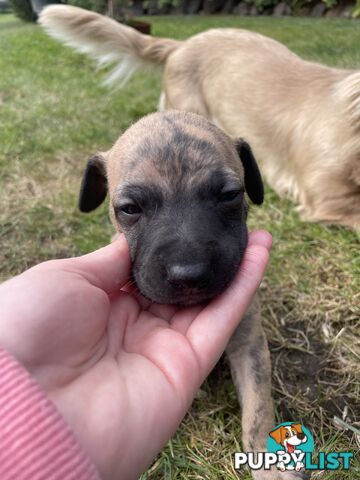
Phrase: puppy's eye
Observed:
(230, 195)
(130, 209)
(287, 434)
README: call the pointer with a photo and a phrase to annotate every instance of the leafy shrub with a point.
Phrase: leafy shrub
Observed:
(356, 12)
(23, 9)
(330, 3)
(261, 5)
(99, 6)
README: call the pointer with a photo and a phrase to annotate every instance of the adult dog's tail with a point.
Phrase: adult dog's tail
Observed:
(105, 39)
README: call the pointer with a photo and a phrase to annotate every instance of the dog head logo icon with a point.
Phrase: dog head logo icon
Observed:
(289, 437)
(290, 441)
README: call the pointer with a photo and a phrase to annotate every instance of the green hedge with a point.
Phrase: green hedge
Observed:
(261, 5)
(22, 8)
(99, 6)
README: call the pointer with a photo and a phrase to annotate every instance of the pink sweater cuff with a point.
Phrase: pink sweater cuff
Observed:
(35, 441)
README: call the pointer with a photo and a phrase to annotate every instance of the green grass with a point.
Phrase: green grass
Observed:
(54, 114)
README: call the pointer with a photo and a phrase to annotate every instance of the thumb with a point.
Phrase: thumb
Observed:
(107, 268)
(211, 330)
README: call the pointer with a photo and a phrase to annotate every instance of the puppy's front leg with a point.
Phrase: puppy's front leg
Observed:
(249, 358)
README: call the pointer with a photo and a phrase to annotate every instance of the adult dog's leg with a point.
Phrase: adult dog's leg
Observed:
(249, 358)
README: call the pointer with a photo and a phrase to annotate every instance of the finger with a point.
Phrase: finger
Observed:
(166, 311)
(107, 268)
(212, 328)
(131, 288)
(260, 237)
(124, 312)
(182, 319)
(163, 311)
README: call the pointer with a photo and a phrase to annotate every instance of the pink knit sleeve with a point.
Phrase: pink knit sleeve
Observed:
(35, 441)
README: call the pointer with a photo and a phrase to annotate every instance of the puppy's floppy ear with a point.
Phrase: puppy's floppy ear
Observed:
(93, 188)
(253, 182)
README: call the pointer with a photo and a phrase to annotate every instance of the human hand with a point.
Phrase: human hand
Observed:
(122, 371)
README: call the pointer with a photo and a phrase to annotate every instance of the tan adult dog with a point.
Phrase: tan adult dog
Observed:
(177, 188)
(301, 118)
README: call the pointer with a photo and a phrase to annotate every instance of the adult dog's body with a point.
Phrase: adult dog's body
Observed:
(301, 118)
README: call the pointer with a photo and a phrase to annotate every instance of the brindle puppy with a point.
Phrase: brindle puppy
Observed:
(177, 188)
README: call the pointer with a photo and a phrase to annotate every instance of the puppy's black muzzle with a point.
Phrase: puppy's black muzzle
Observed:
(188, 276)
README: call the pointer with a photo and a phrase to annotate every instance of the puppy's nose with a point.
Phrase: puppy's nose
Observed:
(301, 436)
(193, 275)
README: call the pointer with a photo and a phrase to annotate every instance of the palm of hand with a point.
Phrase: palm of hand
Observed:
(100, 358)
(121, 371)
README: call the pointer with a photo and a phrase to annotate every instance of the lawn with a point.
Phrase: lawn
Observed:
(54, 114)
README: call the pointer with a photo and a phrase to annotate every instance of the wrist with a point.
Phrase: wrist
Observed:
(36, 442)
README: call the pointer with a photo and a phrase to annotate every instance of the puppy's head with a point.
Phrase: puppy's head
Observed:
(177, 190)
